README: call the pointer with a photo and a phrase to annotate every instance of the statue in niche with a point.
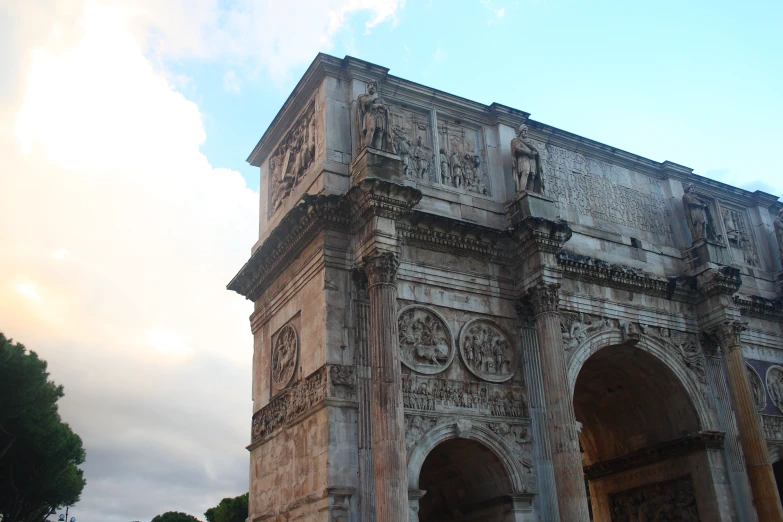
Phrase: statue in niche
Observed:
(779, 231)
(373, 118)
(697, 213)
(526, 164)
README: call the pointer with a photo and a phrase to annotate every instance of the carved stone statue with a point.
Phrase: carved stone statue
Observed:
(779, 232)
(696, 212)
(404, 146)
(421, 155)
(526, 164)
(373, 118)
(445, 168)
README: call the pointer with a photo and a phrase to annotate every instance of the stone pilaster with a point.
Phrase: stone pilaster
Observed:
(562, 428)
(388, 431)
(754, 447)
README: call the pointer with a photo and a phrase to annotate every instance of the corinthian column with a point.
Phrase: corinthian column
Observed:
(388, 432)
(563, 433)
(760, 476)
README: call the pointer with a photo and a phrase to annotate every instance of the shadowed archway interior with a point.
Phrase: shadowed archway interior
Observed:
(464, 480)
(627, 399)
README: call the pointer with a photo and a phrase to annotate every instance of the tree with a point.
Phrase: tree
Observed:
(229, 510)
(39, 453)
(175, 516)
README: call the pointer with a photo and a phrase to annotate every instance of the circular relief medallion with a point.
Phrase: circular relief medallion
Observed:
(284, 354)
(757, 387)
(775, 386)
(426, 343)
(487, 351)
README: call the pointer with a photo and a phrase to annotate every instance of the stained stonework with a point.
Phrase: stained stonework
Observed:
(462, 313)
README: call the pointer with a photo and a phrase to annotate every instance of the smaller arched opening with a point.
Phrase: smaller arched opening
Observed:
(463, 480)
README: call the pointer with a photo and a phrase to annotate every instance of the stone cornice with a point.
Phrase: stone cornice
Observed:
(724, 280)
(375, 197)
(659, 452)
(760, 307)
(311, 215)
(448, 234)
(535, 234)
(598, 271)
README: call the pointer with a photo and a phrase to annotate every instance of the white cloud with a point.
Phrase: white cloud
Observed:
(119, 238)
(231, 83)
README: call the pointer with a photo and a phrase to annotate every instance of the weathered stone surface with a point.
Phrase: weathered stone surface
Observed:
(456, 307)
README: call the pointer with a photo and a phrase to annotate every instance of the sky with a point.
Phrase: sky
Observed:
(126, 204)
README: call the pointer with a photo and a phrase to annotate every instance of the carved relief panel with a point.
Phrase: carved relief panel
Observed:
(577, 327)
(775, 386)
(413, 142)
(757, 387)
(738, 236)
(454, 396)
(669, 500)
(426, 343)
(462, 157)
(487, 351)
(295, 154)
(285, 356)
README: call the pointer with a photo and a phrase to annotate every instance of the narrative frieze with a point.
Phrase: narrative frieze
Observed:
(293, 156)
(669, 500)
(301, 396)
(436, 394)
(589, 187)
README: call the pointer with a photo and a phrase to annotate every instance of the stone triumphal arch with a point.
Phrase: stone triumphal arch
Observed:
(464, 314)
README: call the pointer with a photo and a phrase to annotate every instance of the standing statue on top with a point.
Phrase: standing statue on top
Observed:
(526, 164)
(779, 232)
(372, 120)
(697, 214)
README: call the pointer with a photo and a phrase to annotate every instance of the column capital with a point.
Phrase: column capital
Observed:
(728, 335)
(381, 268)
(544, 297)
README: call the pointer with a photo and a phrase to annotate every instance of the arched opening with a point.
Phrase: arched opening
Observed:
(639, 434)
(463, 480)
(777, 469)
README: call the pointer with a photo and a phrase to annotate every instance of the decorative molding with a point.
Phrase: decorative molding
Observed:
(311, 215)
(487, 351)
(301, 398)
(724, 280)
(426, 341)
(656, 453)
(757, 306)
(373, 197)
(536, 234)
(448, 234)
(619, 276)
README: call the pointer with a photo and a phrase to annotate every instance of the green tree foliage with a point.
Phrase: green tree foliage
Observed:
(175, 516)
(229, 510)
(39, 454)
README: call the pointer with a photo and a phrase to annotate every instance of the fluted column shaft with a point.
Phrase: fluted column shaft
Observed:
(561, 425)
(388, 432)
(754, 447)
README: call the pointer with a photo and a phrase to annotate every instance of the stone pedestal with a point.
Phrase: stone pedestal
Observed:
(754, 447)
(531, 204)
(562, 427)
(709, 251)
(376, 164)
(388, 432)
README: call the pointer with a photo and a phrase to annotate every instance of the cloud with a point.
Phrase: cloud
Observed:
(231, 83)
(118, 239)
